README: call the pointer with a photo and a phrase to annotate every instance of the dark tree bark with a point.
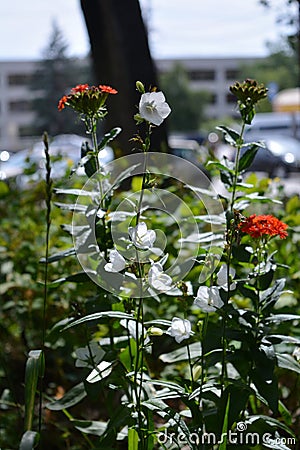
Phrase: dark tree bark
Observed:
(121, 56)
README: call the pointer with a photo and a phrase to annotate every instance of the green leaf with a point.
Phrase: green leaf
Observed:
(90, 426)
(101, 315)
(76, 207)
(156, 405)
(282, 317)
(80, 277)
(133, 439)
(74, 230)
(279, 338)
(270, 295)
(71, 398)
(108, 137)
(248, 157)
(34, 369)
(84, 159)
(58, 256)
(223, 445)
(255, 197)
(29, 440)
(102, 371)
(181, 354)
(89, 355)
(286, 361)
(230, 135)
(123, 175)
(78, 192)
(167, 384)
(263, 375)
(221, 166)
(88, 159)
(4, 189)
(270, 421)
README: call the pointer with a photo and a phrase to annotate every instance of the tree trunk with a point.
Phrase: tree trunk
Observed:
(121, 56)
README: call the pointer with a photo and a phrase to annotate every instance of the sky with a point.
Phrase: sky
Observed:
(202, 28)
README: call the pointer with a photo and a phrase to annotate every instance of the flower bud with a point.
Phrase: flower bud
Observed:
(155, 331)
(197, 371)
(140, 87)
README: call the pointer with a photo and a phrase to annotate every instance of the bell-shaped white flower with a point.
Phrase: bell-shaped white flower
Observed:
(158, 279)
(153, 107)
(180, 329)
(222, 277)
(208, 299)
(141, 236)
(117, 262)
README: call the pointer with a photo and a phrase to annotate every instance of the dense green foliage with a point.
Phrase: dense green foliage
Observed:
(105, 385)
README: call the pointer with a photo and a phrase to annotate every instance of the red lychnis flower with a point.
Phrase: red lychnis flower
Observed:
(62, 102)
(258, 226)
(79, 88)
(107, 89)
(87, 100)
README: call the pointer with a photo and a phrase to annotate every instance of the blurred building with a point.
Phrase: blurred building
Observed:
(214, 75)
(17, 116)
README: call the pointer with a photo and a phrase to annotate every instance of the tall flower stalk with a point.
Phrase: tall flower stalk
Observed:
(153, 109)
(248, 94)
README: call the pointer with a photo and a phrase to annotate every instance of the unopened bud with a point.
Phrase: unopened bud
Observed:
(155, 331)
(140, 87)
(197, 371)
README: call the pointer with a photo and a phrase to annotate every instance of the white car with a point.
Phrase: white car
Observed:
(65, 152)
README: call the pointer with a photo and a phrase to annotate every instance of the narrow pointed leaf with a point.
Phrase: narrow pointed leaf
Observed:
(133, 439)
(71, 398)
(33, 370)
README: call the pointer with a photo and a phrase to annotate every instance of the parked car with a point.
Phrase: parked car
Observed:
(284, 123)
(65, 151)
(279, 157)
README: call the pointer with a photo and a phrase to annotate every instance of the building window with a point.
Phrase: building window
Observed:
(232, 74)
(201, 75)
(26, 130)
(20, 106)
(19, 79)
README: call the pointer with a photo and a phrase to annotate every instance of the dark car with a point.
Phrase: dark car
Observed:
(279, 156)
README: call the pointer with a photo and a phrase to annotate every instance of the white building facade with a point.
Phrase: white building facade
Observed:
(214, 75)
(16, 114)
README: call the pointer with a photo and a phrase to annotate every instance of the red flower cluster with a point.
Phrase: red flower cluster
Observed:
(86, 99)
(258, 226)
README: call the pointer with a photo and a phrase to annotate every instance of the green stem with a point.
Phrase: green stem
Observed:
(230, 239)
(191, 366)
(45, 293)
(236, 166)
(91, 125)
(139, 363)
